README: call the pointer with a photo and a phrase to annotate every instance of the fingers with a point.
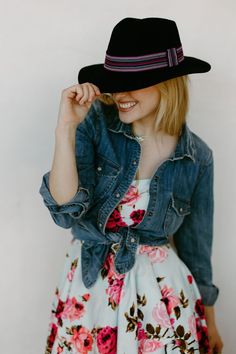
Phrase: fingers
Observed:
(86, 92)
(96, 89)
(82, 93)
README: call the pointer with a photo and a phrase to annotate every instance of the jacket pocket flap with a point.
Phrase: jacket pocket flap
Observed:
(106, 167)
(181, 206)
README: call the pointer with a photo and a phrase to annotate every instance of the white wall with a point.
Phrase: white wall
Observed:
(42, 46)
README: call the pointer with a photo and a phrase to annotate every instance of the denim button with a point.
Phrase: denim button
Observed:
(99, 168)
(117, 195)
(134, 162)
(150, 213)
(100, 224)
(132, 239)
(180, 209)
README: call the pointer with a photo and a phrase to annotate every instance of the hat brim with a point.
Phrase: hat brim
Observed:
(113, 81)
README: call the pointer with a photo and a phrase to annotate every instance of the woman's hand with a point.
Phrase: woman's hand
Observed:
(215, 340)
(75, 102)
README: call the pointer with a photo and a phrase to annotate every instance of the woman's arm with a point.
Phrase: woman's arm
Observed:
(61, 188)
(210, 314)
(193, 241)
(64, 165)
(69, 201)
(194, 237)
(75, 104)
(215, 340)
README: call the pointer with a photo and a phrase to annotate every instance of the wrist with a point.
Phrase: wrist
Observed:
(210, 315)
(65, 135)
(65, 130)
(64, 127)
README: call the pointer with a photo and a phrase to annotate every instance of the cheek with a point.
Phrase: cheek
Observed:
(149, 106)
(156, 101)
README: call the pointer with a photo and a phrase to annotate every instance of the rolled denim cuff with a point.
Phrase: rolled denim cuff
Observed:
(76, 207)
(209, 294)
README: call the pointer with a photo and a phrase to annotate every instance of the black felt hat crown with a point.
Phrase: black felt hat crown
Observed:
(141, 53)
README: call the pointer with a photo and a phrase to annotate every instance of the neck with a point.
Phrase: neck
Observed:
(146, 127)
(148, 133)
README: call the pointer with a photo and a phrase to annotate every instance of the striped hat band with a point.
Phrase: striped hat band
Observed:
(168, 58)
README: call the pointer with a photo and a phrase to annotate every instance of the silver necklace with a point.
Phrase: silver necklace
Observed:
(141, 137)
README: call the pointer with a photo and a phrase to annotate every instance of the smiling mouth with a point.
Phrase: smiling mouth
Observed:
(126, 106)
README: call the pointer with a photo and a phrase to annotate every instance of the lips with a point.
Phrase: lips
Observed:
(126, 106)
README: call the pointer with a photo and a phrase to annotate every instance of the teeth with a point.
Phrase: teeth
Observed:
(127, 105)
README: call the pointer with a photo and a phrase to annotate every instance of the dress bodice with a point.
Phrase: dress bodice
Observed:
(132, 207)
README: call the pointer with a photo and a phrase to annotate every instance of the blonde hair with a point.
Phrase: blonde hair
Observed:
(173, 106)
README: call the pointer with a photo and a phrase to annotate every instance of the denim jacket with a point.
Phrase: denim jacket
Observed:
(181, 198)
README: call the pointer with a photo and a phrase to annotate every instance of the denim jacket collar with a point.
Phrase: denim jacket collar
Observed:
(184, 147)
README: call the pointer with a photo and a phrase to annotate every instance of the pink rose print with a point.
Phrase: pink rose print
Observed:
(156, 254)
(73, 309)
(160, 315)
(52, 336)
(82, 340)
(70, 275)
(106, 340)
(192, 326)
(137, 216)
(169, 298)
(203, 339)
(109, 266)
(86, 297)
(202, 330)
(141, 332)
(115, 281)
(190, 279)
(114, 290)
(149, 346)
(132, 196)
(178, 342)
(59, 309)
(199, 308)
(115, 221)
(59, 349)
(72, 270)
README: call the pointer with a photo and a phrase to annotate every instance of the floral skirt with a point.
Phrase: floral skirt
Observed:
(155, 307)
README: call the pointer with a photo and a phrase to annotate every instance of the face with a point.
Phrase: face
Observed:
(137, 105)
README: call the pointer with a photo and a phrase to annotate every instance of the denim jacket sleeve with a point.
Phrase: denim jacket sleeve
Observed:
(66, 214)
(193, 239)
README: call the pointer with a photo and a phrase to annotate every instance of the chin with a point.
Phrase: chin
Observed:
(128, 115)
(127, 119)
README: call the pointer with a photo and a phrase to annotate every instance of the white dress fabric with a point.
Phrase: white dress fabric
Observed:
(156, 307)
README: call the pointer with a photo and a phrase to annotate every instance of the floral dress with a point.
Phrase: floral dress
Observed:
(155, 307)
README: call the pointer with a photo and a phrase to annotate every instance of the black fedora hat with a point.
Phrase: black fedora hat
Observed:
(141, 53)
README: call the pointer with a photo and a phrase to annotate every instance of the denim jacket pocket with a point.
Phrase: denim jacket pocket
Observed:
(177, 209)
(107, 172)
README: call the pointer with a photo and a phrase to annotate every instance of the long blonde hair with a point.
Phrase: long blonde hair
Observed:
(173, 106)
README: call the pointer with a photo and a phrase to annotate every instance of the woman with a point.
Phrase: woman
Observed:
(137, 176)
